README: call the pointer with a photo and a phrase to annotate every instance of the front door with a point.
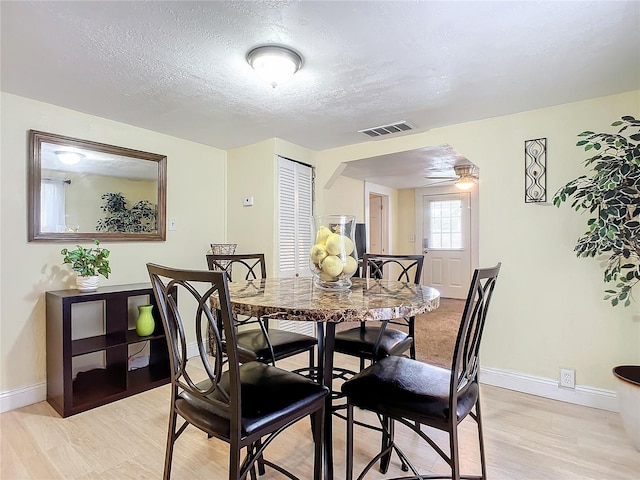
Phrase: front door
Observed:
(446, 243)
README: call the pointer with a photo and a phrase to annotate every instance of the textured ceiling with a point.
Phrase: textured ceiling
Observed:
(179, 67)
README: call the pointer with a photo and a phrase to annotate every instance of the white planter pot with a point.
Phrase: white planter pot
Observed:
(87, 284)
(628, 392)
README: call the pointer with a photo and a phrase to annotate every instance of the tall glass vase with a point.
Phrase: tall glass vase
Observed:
(333, 257)
(145, 324)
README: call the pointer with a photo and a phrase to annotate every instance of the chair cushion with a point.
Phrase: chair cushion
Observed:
(284, 344)
(402, 387)
(359, 343)
(268, 395)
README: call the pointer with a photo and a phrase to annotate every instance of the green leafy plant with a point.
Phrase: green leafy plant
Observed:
(611, 197)
(88, 262)
(140, 218)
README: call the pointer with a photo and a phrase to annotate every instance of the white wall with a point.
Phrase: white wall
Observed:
(548, 310)
(196, 198)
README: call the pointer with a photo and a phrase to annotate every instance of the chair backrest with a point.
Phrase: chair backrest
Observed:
(247, 267)
(405, 268)
(168, 285)
(464, 369)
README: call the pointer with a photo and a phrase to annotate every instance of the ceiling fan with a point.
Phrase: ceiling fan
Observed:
(465, 177)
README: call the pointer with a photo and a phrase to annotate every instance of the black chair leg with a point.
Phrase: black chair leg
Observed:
(412, 334)
(387, 440)
(349, 453)
(312, 363)
(234, 463)
(260, 460)
(171, 438)
(455, 458)
(481, 440)
(317, 423)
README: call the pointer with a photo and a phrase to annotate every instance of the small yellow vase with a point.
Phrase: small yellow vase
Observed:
(145, 325)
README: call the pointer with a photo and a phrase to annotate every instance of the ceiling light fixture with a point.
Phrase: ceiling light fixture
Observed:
(69, 158)
(275, 63)
(465, 182)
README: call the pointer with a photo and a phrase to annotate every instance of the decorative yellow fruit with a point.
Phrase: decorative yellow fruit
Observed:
(318, 253)
(350, 266)
(348, 246)
(332, 265)
(323, 233)
(338, 244)
(326, 277)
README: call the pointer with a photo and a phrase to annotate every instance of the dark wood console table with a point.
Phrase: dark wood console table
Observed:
(98, 386)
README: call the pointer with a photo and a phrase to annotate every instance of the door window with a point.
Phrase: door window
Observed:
(446, 224)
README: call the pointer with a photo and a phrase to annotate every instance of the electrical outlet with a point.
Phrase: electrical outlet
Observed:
(567, 378)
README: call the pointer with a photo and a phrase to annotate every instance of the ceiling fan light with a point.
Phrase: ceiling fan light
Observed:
(465, 183)
(69, 158)
(274, 63)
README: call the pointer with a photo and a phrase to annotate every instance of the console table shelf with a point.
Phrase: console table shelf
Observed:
(97, 386)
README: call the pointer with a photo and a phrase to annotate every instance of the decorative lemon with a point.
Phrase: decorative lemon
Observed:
(332, 265)
(318, 253)
(350, 266)
(326, 277)
(348, 246)
(323, 233)
(337, 244)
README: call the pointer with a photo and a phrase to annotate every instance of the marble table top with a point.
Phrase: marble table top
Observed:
(300, 299)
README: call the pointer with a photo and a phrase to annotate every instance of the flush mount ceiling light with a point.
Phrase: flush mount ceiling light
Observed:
(69, 158)
(275, 63)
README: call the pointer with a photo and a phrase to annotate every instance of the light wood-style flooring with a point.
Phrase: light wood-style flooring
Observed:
(527, 438)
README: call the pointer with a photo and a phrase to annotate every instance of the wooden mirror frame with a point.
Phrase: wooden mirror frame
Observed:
(37, 138)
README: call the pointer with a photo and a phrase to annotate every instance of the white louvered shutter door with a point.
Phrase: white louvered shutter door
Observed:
(295, 190)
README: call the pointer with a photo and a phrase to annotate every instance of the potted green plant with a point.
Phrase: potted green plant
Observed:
(610, 196)
(88, 263)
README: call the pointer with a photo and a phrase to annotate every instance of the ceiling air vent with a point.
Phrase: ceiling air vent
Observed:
(397, 127)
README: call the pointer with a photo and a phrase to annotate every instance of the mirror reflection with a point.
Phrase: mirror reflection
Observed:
(82, 190)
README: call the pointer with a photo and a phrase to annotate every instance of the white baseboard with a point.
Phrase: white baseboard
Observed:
(23, 396)
(520, 382)
(547, 388)
(192, 350)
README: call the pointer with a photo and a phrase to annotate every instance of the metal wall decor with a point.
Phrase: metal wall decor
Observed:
(535, 170)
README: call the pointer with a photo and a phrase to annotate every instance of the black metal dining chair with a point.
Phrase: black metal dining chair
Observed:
(400, 389)
(247, 404)
(375, 340)
(263, 343)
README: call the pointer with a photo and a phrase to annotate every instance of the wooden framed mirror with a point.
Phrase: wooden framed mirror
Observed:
(80, 190)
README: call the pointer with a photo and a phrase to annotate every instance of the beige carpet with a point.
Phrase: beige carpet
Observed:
(436, 332)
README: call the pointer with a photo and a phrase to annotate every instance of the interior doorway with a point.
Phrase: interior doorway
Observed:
(378, 222)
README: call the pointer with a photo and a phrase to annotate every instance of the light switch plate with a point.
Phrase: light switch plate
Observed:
(173, 225)
(248, 201)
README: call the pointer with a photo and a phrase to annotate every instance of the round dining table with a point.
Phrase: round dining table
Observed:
(300, 299)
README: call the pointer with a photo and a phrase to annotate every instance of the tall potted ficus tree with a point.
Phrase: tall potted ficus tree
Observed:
(610, 196)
